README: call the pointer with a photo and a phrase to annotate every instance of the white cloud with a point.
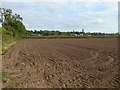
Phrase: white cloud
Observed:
(97, 21)
(95, 15)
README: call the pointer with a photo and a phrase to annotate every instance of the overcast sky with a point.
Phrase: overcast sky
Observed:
(66, 15)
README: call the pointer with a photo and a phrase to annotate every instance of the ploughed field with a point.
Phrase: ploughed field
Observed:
(62, 63)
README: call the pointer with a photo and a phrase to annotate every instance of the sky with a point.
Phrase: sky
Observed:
(67, 15)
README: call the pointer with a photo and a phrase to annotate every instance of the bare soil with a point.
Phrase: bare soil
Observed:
(62, 63)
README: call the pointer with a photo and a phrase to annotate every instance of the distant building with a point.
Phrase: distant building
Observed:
(89, 35)
(83, 30)
(75, 35)
(36, 34)
(81, 34)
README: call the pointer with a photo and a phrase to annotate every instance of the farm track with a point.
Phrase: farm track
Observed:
(67, 63)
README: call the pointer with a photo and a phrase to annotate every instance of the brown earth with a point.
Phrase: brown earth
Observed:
(62, 63)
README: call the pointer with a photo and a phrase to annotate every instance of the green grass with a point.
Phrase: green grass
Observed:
(8, 44)
(0, 49)
(8, 40)
(3, 75)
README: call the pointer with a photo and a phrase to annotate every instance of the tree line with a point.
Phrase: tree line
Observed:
(11, 24)
(54, 33)
(69, 33)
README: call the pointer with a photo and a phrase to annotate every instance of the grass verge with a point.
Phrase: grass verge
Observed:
(7, 45)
